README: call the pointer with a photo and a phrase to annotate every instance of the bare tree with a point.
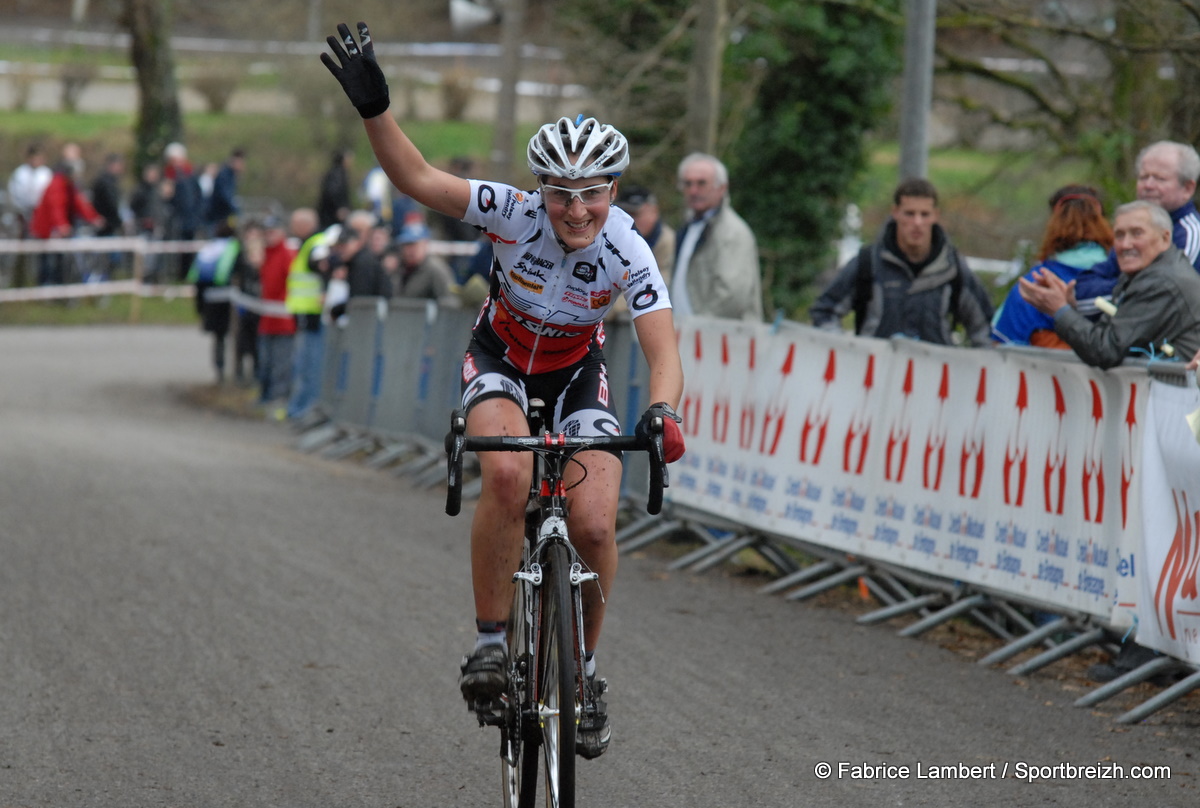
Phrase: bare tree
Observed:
(1091, 80)
(159, 119)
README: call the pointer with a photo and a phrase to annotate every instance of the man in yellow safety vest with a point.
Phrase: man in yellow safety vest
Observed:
(305, 299)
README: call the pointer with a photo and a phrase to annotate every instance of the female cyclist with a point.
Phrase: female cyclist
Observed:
(563, 252)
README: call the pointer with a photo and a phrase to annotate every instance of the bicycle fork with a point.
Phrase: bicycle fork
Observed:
(553, 529)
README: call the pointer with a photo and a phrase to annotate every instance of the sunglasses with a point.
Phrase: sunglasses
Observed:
(591, 195)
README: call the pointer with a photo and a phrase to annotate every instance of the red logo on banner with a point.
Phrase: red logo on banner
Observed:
(720, 424)
(897, 442)
(935, 442)
(1093, 463)
(858, 433)
(970, 472)
(1127, 454)
(1015, 451)
(1054, 479)
(1178, 576)
(691, 398)
(776, 408)
(747, 424)
(816, 420)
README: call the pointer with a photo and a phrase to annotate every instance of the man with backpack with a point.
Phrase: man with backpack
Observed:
(911, 282)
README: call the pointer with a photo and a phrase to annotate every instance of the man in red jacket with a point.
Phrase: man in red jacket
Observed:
(275, 333)
(61, 206)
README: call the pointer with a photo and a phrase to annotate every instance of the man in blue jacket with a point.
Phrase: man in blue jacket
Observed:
(223, 204)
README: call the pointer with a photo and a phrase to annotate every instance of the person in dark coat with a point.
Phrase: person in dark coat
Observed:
(334, 203)
(107, 195)
(218, 267)
(185, 209)
(223, 205)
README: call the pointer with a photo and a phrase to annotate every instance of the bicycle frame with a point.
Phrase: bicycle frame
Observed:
(546, 695)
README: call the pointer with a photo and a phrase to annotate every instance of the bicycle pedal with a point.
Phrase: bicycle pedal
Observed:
(490, 712)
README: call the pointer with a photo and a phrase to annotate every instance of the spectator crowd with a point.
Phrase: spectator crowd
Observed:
(367, 239)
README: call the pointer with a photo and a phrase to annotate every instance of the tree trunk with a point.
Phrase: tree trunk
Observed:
(1140, 96)
(704, 79)
(159, 119)
(504, 138)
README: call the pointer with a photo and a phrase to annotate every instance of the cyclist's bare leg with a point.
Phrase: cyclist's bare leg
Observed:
(498, 528)
(592, 526)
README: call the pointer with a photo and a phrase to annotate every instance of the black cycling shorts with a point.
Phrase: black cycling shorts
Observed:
(579, 396)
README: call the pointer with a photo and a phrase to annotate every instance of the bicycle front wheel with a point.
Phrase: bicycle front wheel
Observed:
(556, 698)
(519, 741)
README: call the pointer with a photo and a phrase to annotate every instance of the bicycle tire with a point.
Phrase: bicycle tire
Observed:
(557, 691)
(520, 739)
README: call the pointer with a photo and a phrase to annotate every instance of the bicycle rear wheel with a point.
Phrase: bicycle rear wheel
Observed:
(556, 697)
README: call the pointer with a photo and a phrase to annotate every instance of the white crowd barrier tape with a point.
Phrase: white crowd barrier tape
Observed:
(95, 244)
(95, 289)
(1021, 473)
(270, 308)
(144, 246)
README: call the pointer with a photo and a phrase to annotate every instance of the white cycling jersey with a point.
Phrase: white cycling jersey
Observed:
(546, 307)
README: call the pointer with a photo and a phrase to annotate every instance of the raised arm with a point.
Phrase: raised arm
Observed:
(357, 70)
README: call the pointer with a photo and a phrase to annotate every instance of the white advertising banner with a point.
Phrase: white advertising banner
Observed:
(1010, 471)
(1169, 606)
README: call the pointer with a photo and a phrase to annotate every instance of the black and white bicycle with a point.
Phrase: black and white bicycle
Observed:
(547, 692)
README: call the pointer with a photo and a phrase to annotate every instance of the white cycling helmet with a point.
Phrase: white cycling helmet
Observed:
(585, 148)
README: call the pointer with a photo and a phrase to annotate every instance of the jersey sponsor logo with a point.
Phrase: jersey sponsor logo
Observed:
(525, 269)
(607, 425)
(538, 261)
(536, 288)
(469, 370)
(511, 389)
(575, 298)
(641, 275)
(511, 200)
(492, 383)
(473, 391)
(497, 239)
(508, 317)
(601, 300)
(612, 248)
(485, 200)
(585, 272)
(645, 299)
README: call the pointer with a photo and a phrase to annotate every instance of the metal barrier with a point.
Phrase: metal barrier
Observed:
(399, 377)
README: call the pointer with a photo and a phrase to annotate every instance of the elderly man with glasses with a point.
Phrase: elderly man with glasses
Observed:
(716, 261)
(1157, 299)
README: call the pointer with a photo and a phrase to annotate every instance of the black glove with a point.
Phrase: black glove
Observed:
(359, 73)
(673, 447)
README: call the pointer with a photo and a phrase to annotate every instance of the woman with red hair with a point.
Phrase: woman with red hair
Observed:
(1076, 238)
